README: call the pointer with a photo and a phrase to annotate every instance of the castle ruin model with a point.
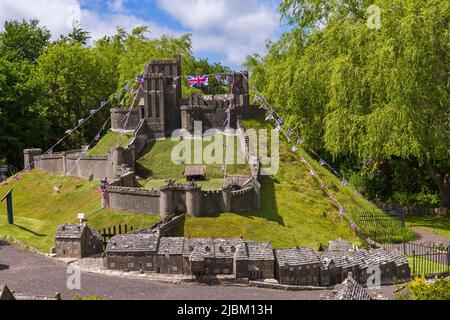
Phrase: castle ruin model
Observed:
(157, 111)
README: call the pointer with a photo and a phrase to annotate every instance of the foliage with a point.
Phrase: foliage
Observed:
(47, 87)
(377, 95)
(420, 289)
(23, 40)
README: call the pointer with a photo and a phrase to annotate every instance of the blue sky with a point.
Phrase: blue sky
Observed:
(223, 31)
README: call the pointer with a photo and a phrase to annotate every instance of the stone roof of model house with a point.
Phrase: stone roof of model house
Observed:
(340, 245)
(225, 248)
(171, 246)
(194, 171)
(70, 231)
(340, 259)
(133, 243)
(296, 256)
(5, 293)
(260, 251)
(351, 290)
(382, 257)
(198, 249)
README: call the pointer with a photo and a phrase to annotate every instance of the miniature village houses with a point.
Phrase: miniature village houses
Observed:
(192, 256)
(77, 241)
(154, 250)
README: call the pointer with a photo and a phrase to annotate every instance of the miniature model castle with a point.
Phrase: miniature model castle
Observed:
(161, 108)
(158, 110)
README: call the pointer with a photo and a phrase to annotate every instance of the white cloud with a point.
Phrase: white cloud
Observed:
(231, 29)
(58, 16)
(235, 28)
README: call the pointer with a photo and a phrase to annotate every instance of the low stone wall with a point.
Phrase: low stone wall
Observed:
(138, 200)
(412, 210)
(91, 168)
(111, 166)
(276, 286)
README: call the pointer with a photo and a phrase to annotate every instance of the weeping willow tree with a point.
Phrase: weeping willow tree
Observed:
(366, 78)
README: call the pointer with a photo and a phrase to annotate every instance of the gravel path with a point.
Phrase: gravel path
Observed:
(427, 237)
(33, 274)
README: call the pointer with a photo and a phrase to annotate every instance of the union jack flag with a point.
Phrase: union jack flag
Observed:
(198, 81)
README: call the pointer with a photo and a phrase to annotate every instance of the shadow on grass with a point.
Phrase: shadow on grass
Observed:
(269, 208)
(30, 231)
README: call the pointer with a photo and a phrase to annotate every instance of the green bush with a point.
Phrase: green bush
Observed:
(420, 289)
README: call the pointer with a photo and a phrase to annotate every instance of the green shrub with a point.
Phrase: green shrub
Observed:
(420, 289)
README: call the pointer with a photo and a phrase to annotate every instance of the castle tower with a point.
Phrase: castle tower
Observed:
(28, 157)
(166, 202)
(193, 199)
(238, 86)
(162, 94)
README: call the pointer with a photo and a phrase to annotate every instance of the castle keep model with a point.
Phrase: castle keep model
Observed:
(158, 110)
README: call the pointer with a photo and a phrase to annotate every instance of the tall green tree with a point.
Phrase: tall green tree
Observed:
(23, 40)
(373, 93)
(76, 81)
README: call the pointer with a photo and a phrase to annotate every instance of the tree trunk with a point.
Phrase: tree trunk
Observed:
(442, 181)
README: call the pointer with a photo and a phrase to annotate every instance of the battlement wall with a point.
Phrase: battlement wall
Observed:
(137, 200)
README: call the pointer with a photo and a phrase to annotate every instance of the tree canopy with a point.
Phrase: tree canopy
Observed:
(373, 94)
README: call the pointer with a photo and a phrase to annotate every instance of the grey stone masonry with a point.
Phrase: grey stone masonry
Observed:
(77, 241)
(350, 289)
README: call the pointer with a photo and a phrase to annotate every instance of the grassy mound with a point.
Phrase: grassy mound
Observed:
(294, 208)
(156, 164)
(109, 141)
(37, 212)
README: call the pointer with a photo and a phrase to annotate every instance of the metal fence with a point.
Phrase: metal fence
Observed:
(424, 259)
(383, 227)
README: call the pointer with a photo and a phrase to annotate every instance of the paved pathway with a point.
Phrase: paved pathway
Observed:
(427, 236)
(32, 274)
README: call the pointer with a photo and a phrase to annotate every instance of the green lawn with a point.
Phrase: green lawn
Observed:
(295, 210)
(156, 162)
(440, 225)
(108, 141)
(37, 212)
(424, 266)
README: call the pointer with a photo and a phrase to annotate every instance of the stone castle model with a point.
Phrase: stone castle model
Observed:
(158, 110)
(161, 108)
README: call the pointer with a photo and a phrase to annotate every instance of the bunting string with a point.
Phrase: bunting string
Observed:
(291, 135)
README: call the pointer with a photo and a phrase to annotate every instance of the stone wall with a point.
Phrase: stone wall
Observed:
(244, 200)
(68, 248)
(111, 166)
(249, 150)
(134, 199)
(118, 117)
(124, 261)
